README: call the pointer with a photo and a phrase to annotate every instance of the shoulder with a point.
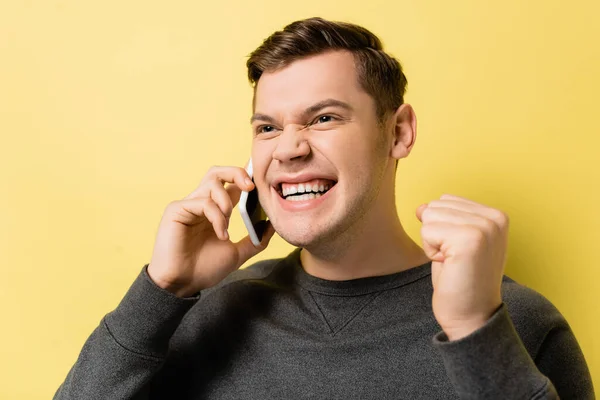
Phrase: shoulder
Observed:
(532, 314)
(258, 270)
(258, 274)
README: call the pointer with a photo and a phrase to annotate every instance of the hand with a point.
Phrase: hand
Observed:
(192, 249)
(467, 243)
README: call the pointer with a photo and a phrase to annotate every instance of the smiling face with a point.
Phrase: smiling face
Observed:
(316, 129)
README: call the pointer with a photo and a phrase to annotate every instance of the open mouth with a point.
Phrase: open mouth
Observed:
(305, 191)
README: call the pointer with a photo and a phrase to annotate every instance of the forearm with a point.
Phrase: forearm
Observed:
(492, 363)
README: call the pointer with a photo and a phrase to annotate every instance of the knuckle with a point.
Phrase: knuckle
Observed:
(242, 173)
(209, 212)
(489, 226)
(427, 213)
(435, 203)
(502, 218)
(212, 172)
(173, 205)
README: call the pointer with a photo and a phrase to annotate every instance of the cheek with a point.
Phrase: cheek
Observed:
(261, 154)
(348, 151)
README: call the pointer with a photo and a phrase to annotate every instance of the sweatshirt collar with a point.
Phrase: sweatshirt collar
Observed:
(354, 287)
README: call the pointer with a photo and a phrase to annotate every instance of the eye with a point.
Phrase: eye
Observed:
(265, 129)
(323, 119)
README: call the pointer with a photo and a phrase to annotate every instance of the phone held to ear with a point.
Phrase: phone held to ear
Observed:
(253, 215)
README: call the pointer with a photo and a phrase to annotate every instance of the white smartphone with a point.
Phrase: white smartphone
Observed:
(253, 215)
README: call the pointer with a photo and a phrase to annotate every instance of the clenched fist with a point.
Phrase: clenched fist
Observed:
(467, 244)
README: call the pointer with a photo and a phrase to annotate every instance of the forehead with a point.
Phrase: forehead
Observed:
(307, 81)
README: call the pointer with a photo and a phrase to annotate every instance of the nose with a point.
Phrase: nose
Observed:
(291, 145)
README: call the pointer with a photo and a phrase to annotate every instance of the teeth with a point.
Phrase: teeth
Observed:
(290, 190)
(302, 188)
(302, 197)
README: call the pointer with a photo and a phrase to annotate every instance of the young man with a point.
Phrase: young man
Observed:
(359, 310)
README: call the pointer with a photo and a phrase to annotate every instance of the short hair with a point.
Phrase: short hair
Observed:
(379, 74)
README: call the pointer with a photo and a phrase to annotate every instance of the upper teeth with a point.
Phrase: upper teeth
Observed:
(304, 188)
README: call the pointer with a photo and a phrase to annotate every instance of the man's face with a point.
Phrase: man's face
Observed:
(315, 127)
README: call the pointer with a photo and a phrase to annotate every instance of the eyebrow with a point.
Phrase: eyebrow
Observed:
(308, 111)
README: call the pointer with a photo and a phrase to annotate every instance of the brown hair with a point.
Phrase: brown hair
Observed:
(379, 74)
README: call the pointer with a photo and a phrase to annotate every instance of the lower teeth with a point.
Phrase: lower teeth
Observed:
(304, 197)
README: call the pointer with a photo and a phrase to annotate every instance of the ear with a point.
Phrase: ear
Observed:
(404, 126)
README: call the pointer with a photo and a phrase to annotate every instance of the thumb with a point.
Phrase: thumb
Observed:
(246, 248)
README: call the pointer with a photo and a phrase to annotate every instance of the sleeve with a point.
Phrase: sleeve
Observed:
(493, 363)
(129, 346)
(560, 358)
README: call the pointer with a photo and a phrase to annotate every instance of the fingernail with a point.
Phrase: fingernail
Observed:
(249, 182)
(226, 234)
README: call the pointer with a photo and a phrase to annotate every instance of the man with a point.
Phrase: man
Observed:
(358, 310)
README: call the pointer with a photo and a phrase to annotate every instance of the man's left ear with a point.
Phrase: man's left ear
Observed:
(404, 125)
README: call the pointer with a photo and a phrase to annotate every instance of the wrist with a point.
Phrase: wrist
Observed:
(178, 289)
(464, 329)
(460, 328)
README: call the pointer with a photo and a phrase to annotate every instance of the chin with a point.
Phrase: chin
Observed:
(296, 239)
(300, 236)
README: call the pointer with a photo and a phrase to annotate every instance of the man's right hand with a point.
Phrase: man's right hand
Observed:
(192, 249)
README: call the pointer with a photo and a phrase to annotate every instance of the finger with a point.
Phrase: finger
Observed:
(221, 198)
(432, 248)
(213, 214)
(458, 205)
(420, 210)
(492, 214)
(234, 193)
(459, 218)
(235, 175)
(246, 248)
(438, 238)
(447, 196)
(187, 212)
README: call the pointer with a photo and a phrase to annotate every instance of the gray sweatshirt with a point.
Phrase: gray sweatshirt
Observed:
(271, 331)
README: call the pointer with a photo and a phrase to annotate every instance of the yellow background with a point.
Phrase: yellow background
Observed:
(109, 110)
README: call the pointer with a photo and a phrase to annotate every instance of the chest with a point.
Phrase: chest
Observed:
(302, 350)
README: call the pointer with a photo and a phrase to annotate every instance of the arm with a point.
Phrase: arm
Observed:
(483, 354)
(493, 363)
(192, 252)
(560, 358)
(129, 346)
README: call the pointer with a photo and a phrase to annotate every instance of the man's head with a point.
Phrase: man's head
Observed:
(379, 74)
(328, 112)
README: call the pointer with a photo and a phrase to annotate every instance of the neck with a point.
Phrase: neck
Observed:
(381, 248)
